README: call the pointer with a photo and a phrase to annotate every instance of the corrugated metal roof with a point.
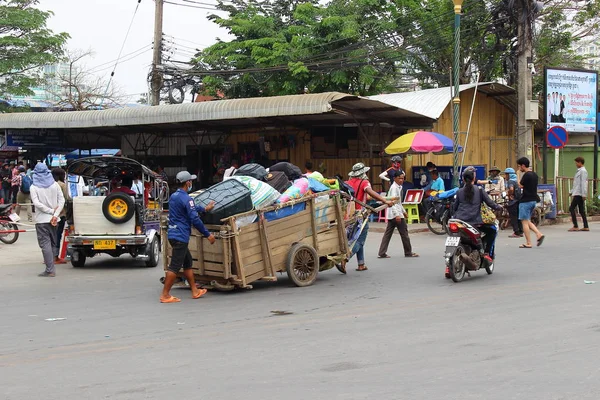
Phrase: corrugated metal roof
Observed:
(263, 107)
(433, 102)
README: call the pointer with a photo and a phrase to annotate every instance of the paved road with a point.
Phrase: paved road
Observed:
(398, 331)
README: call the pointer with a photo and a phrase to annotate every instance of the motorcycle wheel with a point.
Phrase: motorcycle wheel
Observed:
(8, 238)
(489, 268)
(176, 95)
(458, 269)
(432, 223)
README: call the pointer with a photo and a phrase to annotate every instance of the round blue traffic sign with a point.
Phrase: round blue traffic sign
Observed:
(557, 137)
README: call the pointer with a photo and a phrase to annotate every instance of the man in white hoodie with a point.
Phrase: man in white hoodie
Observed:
(48, 199)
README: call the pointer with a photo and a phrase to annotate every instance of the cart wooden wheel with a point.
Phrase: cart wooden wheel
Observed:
(302, 265)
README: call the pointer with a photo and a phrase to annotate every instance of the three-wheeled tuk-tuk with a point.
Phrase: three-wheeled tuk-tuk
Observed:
(123, 218)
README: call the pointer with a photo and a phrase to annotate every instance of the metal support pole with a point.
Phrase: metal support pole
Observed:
(595, 174)
(456, 99)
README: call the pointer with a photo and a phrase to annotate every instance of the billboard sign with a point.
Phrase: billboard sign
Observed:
(570, 99)
(30, 138)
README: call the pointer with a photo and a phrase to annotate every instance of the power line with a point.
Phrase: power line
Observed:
(112, 74)
(149, 46)
(124, 60)
(192, 6)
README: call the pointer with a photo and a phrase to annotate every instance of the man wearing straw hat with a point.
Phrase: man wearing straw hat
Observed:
(360, 183)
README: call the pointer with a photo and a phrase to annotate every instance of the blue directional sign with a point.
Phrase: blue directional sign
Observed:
(557, 137)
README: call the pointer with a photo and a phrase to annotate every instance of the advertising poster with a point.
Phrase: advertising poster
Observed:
(571, 99)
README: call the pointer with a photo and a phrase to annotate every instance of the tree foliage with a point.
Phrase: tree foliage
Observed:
(368, 46)
(289, 47)
(25, 45)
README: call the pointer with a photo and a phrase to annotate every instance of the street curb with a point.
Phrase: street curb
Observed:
(379, 227)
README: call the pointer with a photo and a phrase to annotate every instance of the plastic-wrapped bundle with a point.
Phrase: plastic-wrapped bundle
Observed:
(263, 195)
(296, 191)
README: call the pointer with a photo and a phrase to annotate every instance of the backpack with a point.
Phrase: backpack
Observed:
(26, 184)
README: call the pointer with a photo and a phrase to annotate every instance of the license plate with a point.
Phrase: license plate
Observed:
(452, 241)
(105, 244)
(14, 217)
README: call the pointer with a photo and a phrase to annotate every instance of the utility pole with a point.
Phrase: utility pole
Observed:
(524, 82)
(156, 79)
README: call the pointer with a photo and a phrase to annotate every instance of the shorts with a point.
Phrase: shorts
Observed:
(526, 210)
(180, 257)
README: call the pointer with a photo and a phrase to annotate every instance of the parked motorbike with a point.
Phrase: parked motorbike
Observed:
(8, 228)
(464, 251)
(438, 215)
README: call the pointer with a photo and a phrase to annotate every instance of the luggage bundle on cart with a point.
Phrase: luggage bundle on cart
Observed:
(261, 231)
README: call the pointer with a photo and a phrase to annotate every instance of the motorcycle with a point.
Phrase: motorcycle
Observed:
(440, 211)
(464, 251)
(8, 229)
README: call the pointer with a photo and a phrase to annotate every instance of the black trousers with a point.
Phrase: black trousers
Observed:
(578, 202)
(517, 225)
(402, 227)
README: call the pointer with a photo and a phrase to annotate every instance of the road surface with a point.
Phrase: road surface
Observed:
(397, 331)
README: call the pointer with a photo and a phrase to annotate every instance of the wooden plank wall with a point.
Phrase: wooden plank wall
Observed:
(490, 120)
(301, 152)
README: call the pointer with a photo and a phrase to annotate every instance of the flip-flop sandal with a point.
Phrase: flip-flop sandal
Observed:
(171, 299)
(515, 236)
(384, 256)
(201, 293)
(574, 230)
(541, 240)
(585, 229)
(413, 255)
(362, 269)
(524, 247)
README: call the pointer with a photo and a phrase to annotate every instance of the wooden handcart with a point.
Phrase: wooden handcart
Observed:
(301, 244)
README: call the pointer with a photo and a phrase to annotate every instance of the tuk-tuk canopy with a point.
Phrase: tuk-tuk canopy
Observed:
(108, 167)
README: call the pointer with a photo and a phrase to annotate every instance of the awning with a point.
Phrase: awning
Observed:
(433, 102)
(299, 109)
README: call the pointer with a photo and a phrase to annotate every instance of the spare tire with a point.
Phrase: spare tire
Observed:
(118, 207)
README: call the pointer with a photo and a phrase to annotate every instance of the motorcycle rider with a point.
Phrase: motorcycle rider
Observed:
(467, 208)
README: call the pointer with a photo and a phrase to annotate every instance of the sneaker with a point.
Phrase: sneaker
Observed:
(47, 274)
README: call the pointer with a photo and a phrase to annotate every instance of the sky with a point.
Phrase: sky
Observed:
(101, 25)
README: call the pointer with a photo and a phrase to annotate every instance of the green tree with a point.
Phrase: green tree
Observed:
(25, 45)
(286, 47)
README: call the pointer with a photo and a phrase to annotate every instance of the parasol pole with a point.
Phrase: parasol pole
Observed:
(462, 162)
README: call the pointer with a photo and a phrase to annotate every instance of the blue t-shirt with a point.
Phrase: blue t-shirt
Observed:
(182, 215)
(438, 185)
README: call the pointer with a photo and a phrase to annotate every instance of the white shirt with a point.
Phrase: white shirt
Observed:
(138, 188)
(397, 210)
(229, 172)
(48, 202)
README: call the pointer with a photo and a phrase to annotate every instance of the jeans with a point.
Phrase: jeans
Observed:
(526, 210)
(5, 195)
(358, 247)
(489, 241)
(578, 202)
